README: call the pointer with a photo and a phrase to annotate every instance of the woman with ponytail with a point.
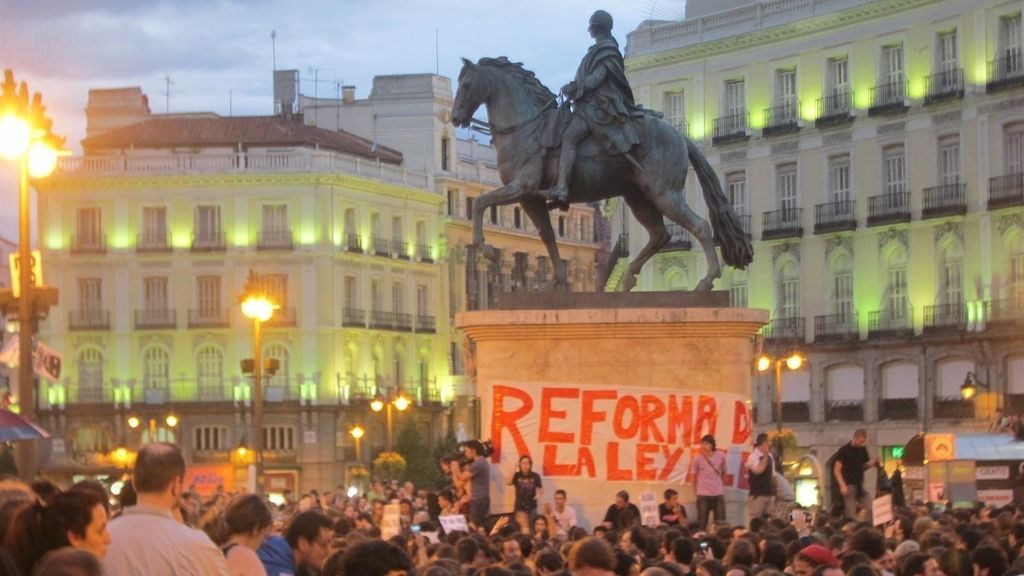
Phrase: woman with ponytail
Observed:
(75, 518)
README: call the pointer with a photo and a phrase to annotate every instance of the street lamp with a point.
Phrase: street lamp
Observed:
(357, 432)
(258, 307)
(970, 386)
(793, 361)
(25, 137)
(399, 401)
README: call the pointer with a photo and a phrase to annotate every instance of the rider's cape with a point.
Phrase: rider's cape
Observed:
(609, 107)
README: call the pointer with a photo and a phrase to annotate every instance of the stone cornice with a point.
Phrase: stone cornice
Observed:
(744, 40)
(60, 183)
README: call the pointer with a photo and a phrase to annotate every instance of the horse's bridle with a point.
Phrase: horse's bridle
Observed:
(514, 127)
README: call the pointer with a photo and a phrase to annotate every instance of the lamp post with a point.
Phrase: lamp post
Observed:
(399, 401)
(258, 307)
(793, 361)
(357, 432)
(25, 137)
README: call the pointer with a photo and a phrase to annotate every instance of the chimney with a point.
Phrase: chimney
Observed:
(348, 94)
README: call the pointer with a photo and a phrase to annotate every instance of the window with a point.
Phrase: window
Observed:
(275, 218)
(738, 295)
(786, 190)
(156, 367)
(375, 226)
(351, 295)
(517, 218)
(561, 226)
(397, 298)
(469, 208)
(949, 160)
(839, 178)
(211, 438)
(422, 300)
(90, 296)
(1016, 279)
(209, 369)
(275, 286)
(736, 186)
(421, 233)
(951, 281)
(895, 173)
(207, 225)
(896, 300)
(735, 107)
(90, 369)
(208, 296)
(154, 226)
(946, 60)
(785, 95)
(494, 215)
(838, 85)
(787, 303)
(892, 67)
(1009, 41)
(89, 230)
(154, 295)
(397, 231)
(453, 203)
(586, 229)
(350, 221)
(1013, 148)
(445, 153)
(279, 352)
(279, 438)
(842, 291)
(376, 297)
(675, 111)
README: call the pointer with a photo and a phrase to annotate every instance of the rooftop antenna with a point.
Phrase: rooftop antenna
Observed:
(273, 46)
(167, 94)
(437, 51)
(316, 85)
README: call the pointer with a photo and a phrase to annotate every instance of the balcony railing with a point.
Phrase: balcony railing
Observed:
(889, 97)
(149, 243)
(353, 317)
(426, 324)
(280, 389)
(353, 243)
(89, 244)
(203, 318)
(284, 316)
(275, 240)
(835, 108)
(897, 409)
(89, 320)
(209, 241)
(953, 408)
(1009, 310)
(785, 223)
(889, 208)
(945, 85)
(1006, 72)
(1005, 191)
(155, 319)
(944, 200)
(679, 237)
(381, 247)
(845, 410)
(1014, 403)
(796, 412)
(745, 223)
(423, 253)
(834, 217)
(400, 249)
(835, 327)
(781, 119)
(92, 392)
(945, 317)
(786, 329)
(730, 129)
(891, 322)
(390, 321)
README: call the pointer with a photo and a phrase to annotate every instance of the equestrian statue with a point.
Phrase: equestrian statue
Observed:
(597, 144)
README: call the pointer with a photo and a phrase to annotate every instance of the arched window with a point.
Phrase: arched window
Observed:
(210, 372)
(787, 290)
(895, 299)
(674, 279)
(1015, 271)
(90, 375)
(156, 367)
(951, 274)
(279, 352)
(841, 290)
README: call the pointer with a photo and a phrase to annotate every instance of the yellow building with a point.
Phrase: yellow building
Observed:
(876, 149)
(149, 237)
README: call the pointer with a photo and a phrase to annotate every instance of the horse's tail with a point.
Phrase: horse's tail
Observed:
(736, 249)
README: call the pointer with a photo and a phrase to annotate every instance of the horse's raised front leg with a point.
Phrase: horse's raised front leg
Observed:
(537, 211)
(507, 194)
(674, 206)
(650, 218)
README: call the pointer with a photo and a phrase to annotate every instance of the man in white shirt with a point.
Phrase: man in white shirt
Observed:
(761, 468)
(146, 540)
(562, 518)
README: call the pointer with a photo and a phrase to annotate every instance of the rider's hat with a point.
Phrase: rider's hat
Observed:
(601, 19)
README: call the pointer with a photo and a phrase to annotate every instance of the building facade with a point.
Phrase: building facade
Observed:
(875, 151)
(150, 237)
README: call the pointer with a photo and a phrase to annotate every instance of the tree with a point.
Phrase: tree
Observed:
(420, 469)
(389, 466)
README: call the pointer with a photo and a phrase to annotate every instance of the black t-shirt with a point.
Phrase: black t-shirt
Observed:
(854, 459)
(526, 486)
(664, 510)
(621, 518)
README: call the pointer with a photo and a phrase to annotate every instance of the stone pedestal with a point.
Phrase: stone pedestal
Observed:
(613, 395)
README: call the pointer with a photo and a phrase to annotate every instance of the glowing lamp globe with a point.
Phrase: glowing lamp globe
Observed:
(377, 404)
(794, 362)
(401, 402)
(171, 420)
(258, 308)
(42, 160)
(763, 363)
(133, 422)
(357, 432)
(15, 135)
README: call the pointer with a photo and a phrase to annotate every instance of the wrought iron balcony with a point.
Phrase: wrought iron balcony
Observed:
(785, 223)
(730, 129)
(944, 200)
(1006, 311)
(390, 321)
(836, 327)
(1006, 191)
(897, 409)
(353, 243)
(890, 322)
(953, 408)
(89, 244)
(845, 410)
(943, 86)
(400, 249)
(834, 217)
(942, 317)
(92, 392)
(889, 208)
(275, 240)
(1006, 72)
(781, 119)
(94, 319)
(796, 412)
(786, 329)
(679, 238)
(889, 98)
(209, 241)
(206, 389)
(745, 223)
(426, 324)
(423, 253)
(155, 319)
(835, 109)
(208, 318)
(149, 242)
(381, 247)
(284, 316)
(353, 317)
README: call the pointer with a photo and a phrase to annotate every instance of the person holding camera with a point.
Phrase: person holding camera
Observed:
(476, 475)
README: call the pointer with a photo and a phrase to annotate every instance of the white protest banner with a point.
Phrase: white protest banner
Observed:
(992, 473)
(391, 524)
(48, 362)
(881, 510)
(649, 510)
(453, 523)
(996, 498)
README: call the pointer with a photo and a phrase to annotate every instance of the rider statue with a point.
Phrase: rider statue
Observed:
(603, 104)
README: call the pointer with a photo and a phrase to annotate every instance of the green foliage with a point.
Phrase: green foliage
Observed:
(389, 466)
(421, 469)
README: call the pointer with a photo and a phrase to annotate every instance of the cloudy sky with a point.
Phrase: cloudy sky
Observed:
(218, 54)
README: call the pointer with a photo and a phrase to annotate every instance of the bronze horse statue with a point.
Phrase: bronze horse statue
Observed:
(650, 179)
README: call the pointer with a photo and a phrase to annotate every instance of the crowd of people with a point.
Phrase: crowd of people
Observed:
(159, 526)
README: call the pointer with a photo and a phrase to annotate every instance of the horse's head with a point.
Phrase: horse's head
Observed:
(472, 92)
